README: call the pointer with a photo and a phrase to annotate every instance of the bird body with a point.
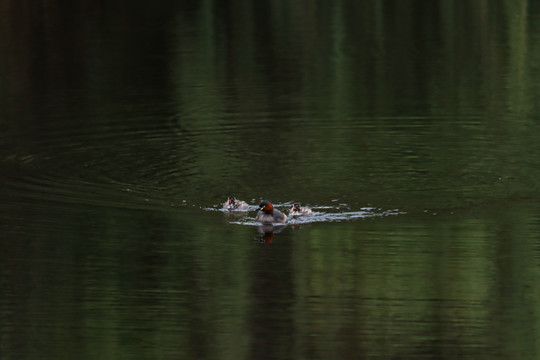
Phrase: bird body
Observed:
(234, 204)
(267, 214)
(297, 210)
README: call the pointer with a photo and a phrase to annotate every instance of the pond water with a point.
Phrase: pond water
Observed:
(412, 130)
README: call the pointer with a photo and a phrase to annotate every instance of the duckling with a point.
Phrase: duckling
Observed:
(233, 204)
(296, 210)
(267, 213)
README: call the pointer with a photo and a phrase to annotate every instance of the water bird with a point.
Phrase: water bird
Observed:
(297, 210)
(267, 213)
(233, 204)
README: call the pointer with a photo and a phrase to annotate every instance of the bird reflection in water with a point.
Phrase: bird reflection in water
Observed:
(267, 232)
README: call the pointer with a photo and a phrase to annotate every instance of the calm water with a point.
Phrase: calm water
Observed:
(412, 129)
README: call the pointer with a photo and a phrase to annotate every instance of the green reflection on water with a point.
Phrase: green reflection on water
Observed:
(137, 283)
(121, 124)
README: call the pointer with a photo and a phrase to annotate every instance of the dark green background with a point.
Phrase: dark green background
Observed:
(124, 125)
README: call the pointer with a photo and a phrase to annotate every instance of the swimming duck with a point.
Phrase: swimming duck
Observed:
(233, 204)
(267, 213)
(296, 210)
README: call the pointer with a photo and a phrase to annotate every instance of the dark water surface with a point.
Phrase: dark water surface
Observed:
(412, 128)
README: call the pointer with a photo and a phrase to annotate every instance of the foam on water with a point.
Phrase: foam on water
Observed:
(324, 214)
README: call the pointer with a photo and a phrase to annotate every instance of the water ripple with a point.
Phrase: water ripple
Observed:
(331, 214)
